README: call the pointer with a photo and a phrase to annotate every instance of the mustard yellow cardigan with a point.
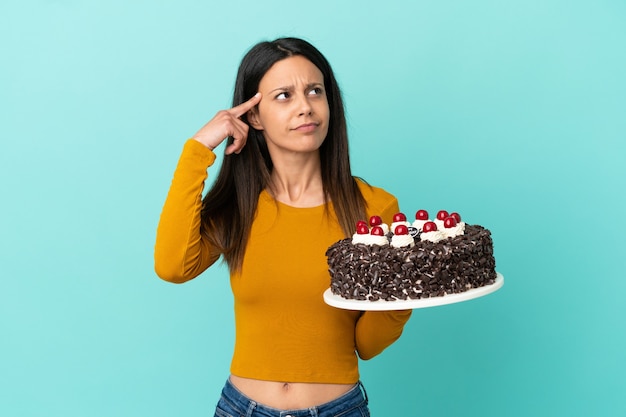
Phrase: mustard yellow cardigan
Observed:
(284, 330)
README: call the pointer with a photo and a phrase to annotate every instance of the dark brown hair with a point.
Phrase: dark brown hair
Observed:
(229, 206)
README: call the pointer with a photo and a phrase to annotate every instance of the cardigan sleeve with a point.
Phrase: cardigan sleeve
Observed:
(181, 252)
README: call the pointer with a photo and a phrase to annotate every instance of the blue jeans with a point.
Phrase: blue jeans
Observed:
(233, 403)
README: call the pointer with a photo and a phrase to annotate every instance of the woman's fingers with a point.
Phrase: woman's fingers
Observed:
(243, 108)
(228, 123)
(239, 140)
(240, 137)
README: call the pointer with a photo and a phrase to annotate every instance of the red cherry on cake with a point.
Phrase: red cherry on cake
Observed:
(449, 222)
(421, 215)
(399, 217)
(429, 227)
(456, 216)
(442, 214)
(377, 231)
(376, 221)
(401, 230)
(360, 223)
(362, 229)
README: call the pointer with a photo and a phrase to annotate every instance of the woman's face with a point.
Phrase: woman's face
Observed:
(293, 113)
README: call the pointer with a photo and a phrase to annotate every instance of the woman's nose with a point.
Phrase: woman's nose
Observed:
(304, 106)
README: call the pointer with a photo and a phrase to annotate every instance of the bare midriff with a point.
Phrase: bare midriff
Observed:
(289, 395)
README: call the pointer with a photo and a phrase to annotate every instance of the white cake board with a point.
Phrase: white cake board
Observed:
(382, 305)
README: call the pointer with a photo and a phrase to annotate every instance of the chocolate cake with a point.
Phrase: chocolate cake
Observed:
(423, 269)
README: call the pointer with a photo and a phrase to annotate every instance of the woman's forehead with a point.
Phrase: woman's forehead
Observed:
(290, 72)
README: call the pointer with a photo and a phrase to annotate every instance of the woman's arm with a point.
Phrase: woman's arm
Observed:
(181, 252)
(376, 330)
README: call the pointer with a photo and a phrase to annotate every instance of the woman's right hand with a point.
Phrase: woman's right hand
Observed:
(227, 123)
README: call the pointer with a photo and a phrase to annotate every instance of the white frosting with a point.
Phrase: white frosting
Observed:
(419, 224)
(357, 238)
(439, 224)
(385, 227)
(457, 230)
(399, 241)
(378, 240)
(370, 239)
(434, 236)
(394, 224)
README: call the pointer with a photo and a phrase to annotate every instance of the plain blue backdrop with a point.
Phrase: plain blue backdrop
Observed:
(512, 113)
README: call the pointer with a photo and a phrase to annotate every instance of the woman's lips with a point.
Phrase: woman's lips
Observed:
(307, 127)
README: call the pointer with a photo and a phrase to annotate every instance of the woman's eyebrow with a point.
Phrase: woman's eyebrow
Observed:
(291, 87)
(285, 88)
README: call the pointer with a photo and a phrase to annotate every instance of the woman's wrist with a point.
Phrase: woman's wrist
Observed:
(206, 145)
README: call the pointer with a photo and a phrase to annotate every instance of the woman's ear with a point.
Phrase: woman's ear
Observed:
(253, 118)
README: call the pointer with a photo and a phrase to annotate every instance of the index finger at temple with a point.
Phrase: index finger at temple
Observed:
(243, 108)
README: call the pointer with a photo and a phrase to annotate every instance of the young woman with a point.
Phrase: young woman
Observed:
(284, 193)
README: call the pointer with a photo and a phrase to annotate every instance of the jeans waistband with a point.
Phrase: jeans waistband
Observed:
(355, 397)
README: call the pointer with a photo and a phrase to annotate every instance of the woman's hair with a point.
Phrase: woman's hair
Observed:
(229, 206)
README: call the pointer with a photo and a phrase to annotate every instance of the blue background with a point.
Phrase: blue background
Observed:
(511, 112)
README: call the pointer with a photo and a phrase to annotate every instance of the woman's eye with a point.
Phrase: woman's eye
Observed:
(282, 96)
(316, 91)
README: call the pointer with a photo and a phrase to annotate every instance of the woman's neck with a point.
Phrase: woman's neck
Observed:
(297, 181)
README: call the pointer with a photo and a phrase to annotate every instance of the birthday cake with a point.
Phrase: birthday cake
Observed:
(411, 260)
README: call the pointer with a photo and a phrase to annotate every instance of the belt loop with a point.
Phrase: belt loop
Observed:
(364, 392)
(251, 408)
(313, 411)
